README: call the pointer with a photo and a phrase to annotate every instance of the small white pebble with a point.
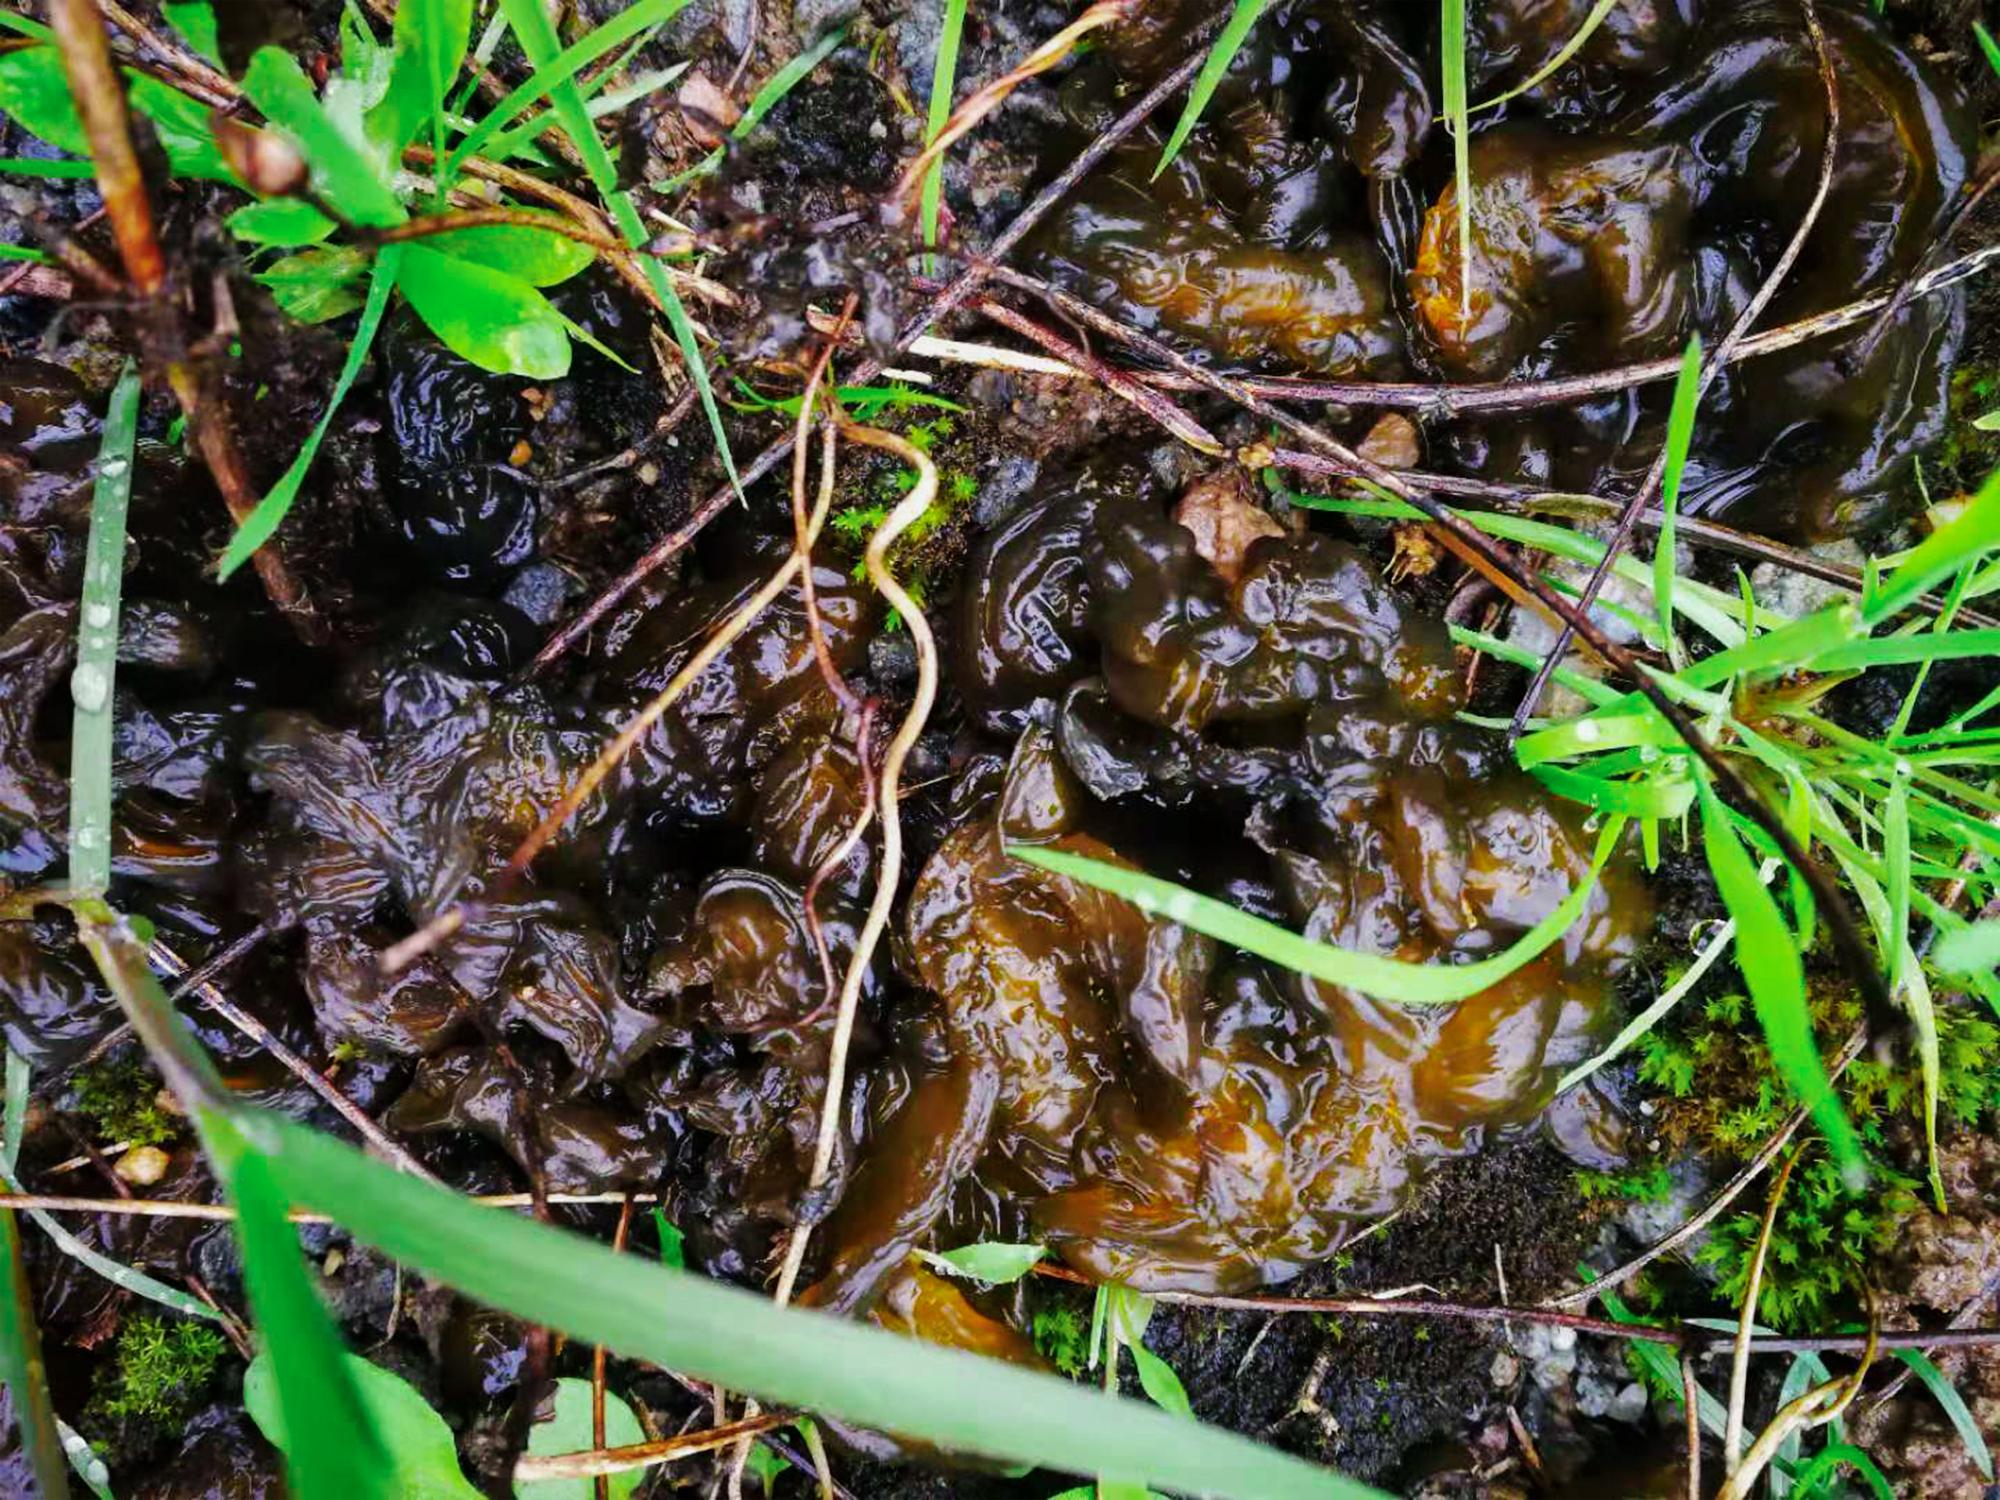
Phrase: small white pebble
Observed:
(142, 1166)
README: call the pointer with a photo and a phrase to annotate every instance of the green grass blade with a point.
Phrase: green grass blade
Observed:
(1772, 969)
(333, 1452)
(120, 958)
(782, 82)
(719, 1333)
(97, 645)
(1451, 41)
(1896, 862)
(1988, 46)
(1814, 1474)
(1939, 555)
(262, 523)
(1971, 949)
(1962, 1420)
(26, 26)
(22, 1370)
(278, 87)
(1227, 44)
(944, 75)
(537, 36)
(30, 166)
(1385, 978)
(1680, 433)
(559, 70)
(1900, 650)
(1555, 64)
(431, 39)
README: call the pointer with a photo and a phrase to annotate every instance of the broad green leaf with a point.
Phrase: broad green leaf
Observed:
(944, 73)
(1814, 1474)
(431, 38)
(332, 1448)
(497, 321)
(1221, 53)
(988, 1261)
(285, 222)
(1156, 1376)
(1972, 949)
(561, 69)
(1680, 434)
(673, 1251)
(316, 286)
(96, 670)
(537, 36)
(570, 1431)
(1555, 64)
(1962, 1420)
(195, 21)
(259, 526)
(1775, 975)
(1384, 978)
(713, 1332)
(341, 171)
(539, 257)
(421, 1454)
(34, 94)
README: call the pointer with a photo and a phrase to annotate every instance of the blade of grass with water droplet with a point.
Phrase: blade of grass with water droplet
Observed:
(1384, 978)
(1775, 975)
(97, 645)
(1223, 51)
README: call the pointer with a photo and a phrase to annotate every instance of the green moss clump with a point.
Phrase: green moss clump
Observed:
(1062, 1333)
(1723, 1097)
(122, 1099)
(932, 543)
(157, 1372)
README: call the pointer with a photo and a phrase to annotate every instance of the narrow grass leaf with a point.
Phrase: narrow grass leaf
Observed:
(1451, 41)
(22, 1370)
(1988, 46)
(84, 1462)
(90, 684)
(496, 321)
(1646, 797)
(278, 86)
(420, 1452)
(782, 82)
(944, 75)
(1680, 433)
(1962, 1420)
(1717, 944)
(720, 1333)
(1775, 975)
(34, 166)
(1555, 65)
(1814, 1474)
(1976, 530)
(537, 36)
(1220, 54)
(259, 526)
(1385, 978)
(559, 70)
(1896, 863)
(1903, 650)
(332, 1449)
(317, 285)
(25, 25)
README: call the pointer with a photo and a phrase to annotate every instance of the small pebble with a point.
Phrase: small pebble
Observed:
(142, 1166)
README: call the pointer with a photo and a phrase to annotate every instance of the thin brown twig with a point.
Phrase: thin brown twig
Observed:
(207, 972)
(1691, 1413)
(943, 303)
(212, 88)
(1712, 367)
(165, 959)
(606, 1461)
(1746, 1322)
